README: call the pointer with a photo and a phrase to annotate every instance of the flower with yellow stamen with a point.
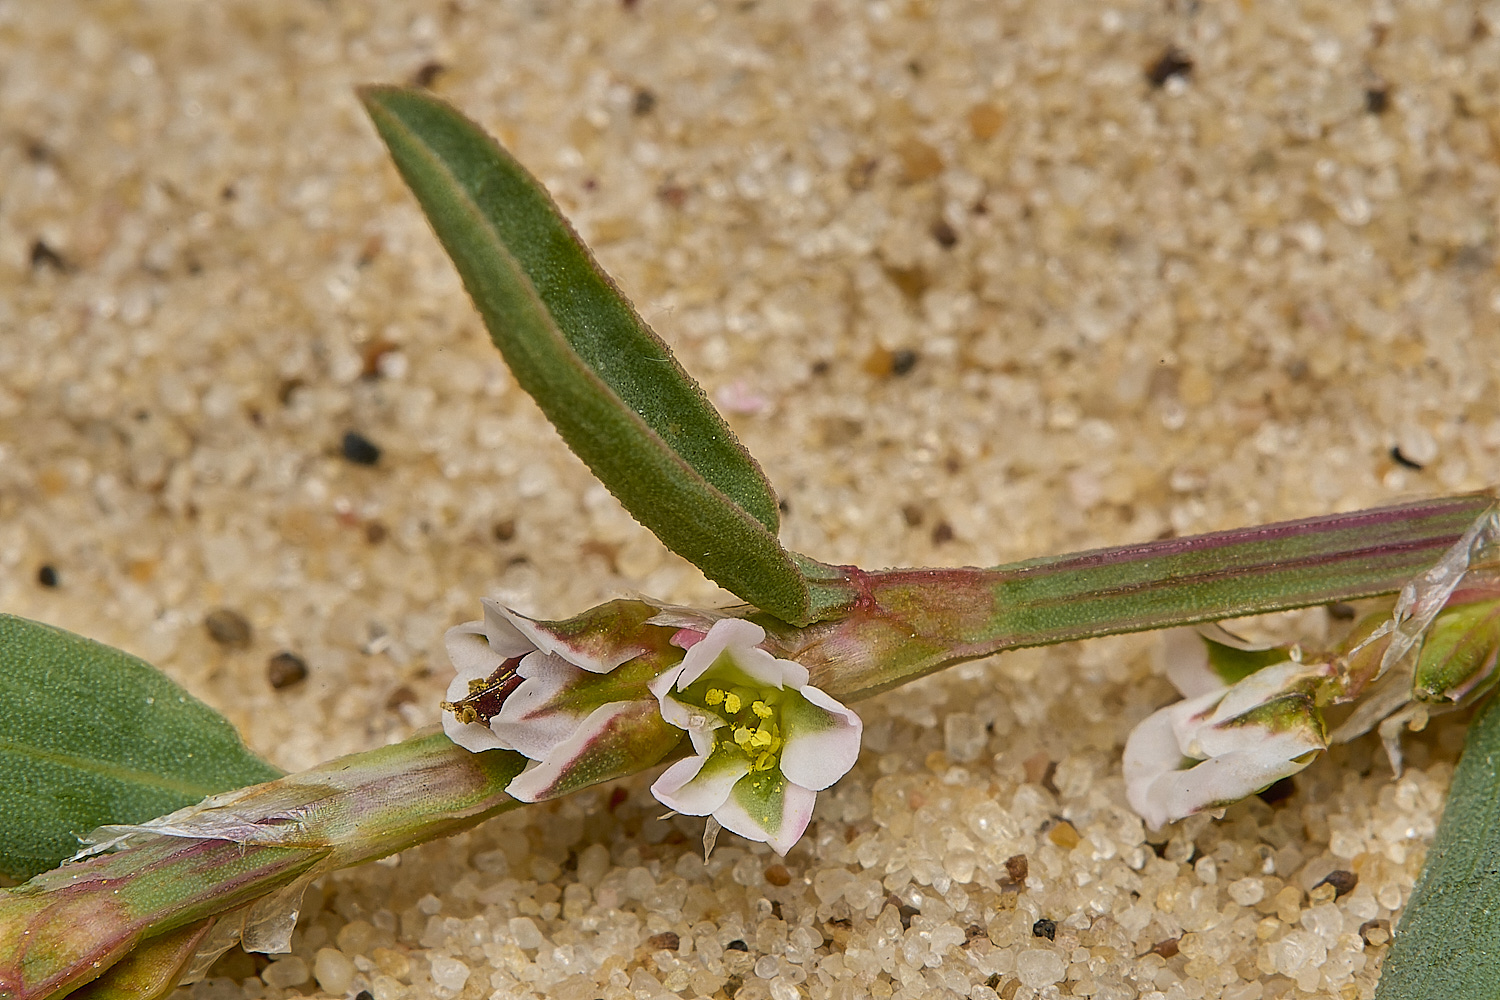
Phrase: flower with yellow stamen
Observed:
(766, 740)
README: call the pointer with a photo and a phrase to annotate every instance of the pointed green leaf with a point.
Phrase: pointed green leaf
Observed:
(90, 735)
(1448, 943)
(611, 386)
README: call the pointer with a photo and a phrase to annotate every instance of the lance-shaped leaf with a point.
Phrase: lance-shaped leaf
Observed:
(91, 735)
(1448, 944)
(611, 386)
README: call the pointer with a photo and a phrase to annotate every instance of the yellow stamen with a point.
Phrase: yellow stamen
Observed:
(732, 703)
(743, 735)
(761, 709)
(764, 762)
(478, 686)
(715, 696)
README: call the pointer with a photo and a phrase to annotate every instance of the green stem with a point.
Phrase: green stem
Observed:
(67, 926)
(908, 623)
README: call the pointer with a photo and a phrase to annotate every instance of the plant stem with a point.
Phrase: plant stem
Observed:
(66, 927)
(908, 623)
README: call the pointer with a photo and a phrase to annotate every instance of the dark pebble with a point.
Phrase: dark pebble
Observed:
(1017, 867)
(737, 945)
(228, 628)
(359, 449)
(1343, 882)
(1045, 928)
(665, 941)
(903, 361)
(1400, 459)
(778, 875)
(47, 576)
(944, 234)
(1377, 100)
(285, 669)
(1172, 62)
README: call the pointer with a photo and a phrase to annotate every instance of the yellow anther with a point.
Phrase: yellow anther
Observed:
(743, 735)
(760, 738)
(761, 709)
(714, 696)
(732, 703)
(765, 762)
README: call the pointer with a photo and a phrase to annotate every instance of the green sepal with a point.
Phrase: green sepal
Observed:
(1233, 665)
(1458, 653)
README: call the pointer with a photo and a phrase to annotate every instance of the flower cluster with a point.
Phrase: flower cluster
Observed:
(614, 691)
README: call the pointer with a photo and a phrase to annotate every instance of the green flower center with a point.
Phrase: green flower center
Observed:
(753, 721)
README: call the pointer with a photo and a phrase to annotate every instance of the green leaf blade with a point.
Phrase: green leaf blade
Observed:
(608, 384)
(1448, 942)
(90, 735)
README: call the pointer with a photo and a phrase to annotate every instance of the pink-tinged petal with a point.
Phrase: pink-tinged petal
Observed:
(738, 635)
(472, 655)
(601, 656)
(781, 810)
(822, 739)
(699, 785)
(687, 638)
(529, 719)
(616, 739)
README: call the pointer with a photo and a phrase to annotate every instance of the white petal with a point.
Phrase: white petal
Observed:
(472, 655)
(686, 787)
(501, 631)
(741, 636)
(661, 685)
(474, 736)
(1224, 779)
(796, 812)
(817, 757)
(533, 783)
(527, 719)
(1184, 658)
(1150, 752)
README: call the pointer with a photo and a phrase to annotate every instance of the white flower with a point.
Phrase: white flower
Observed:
(765, 741)
(1226, 743)
(571, 696)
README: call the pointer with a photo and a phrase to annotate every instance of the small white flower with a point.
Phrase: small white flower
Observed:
(765, 741)
(1226, 743)
(570, 696)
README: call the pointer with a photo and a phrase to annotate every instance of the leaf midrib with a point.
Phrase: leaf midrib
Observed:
(105, 769)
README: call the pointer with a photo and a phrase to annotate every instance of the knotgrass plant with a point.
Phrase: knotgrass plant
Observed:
(747, 705)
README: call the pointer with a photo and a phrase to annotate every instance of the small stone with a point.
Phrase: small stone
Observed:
(525, 933)
(903, 361)
(228, 627)
(47, 576)
(778, 875)
(665, 941)
(1247, 891)
(333, 970)
(1173, 62)
(919, 161)
(1045, 928)
(285, 669)
(359, 449)
(985, 121)
(737, 945)
(1064, 835)
(448, 973)
(285, 973)
(1017, 867)
(1039, 967)
(1167, 948)
(1343, 882)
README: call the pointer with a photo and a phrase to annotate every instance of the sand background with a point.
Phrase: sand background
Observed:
(974, 282)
